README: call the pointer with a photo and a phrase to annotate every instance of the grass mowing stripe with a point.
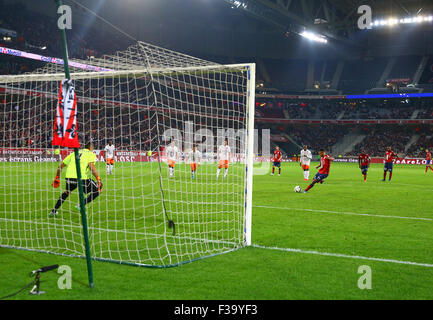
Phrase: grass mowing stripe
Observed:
(339, 255)
(346, 213)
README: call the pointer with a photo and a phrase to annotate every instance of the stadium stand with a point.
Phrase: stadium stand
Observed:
(286, 75)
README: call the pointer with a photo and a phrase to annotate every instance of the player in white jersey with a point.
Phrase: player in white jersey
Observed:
(109, 156)
(172, 154)
(305, 160)
(194, 159)
(223, 158)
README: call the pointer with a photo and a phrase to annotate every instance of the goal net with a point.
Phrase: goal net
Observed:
(145, 99)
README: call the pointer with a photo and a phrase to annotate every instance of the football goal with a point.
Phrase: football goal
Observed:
(153, 211)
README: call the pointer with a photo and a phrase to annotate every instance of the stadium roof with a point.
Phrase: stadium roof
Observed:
(334, 18)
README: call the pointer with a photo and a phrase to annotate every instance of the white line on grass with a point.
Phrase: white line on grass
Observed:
(346, 213)
(344, 256)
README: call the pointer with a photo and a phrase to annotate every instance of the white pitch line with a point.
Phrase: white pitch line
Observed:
(338, 255)
(347, 213)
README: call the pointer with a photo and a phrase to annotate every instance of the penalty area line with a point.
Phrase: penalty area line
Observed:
(346, 213)
(339, 255)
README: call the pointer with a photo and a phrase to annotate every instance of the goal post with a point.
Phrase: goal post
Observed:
(151, 98)
(250, 153)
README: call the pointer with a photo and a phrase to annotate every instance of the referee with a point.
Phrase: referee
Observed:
(87, 165)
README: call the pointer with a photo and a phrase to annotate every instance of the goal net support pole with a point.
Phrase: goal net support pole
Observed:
(77, 164)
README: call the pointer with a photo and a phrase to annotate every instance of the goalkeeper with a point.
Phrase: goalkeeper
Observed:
(87, 165)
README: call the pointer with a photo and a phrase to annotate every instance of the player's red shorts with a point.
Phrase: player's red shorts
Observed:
(110, 161)
(223, 163)
(193, 166)
(171, 163)
(305, 167)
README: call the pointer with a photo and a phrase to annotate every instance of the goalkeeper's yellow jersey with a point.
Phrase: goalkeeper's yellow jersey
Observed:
(86, 157)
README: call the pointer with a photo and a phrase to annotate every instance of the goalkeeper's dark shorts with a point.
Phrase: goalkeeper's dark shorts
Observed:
(89, 185)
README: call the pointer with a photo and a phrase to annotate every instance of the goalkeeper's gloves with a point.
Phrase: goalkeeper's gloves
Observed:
(56, 182)
(99, 184)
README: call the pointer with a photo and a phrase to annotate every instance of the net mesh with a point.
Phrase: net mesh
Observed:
(151, 98)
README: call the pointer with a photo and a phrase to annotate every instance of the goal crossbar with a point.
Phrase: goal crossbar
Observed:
(108, 74)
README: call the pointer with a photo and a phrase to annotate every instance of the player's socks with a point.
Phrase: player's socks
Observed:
(225, 172)
(218, 172)
(308, 188)
(365, 177)
(62, 199)
(384, 176)
(279, 171)
(390, 176)
(273, 170)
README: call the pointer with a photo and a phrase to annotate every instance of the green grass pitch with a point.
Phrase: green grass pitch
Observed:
(324, 237)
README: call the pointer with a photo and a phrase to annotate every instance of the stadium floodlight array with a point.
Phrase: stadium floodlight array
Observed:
(314, 37)
(394, 21)
(153, 96)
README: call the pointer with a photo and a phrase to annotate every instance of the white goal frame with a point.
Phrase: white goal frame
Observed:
(249, 121)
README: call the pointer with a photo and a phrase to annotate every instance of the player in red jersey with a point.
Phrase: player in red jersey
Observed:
(277, 160)
(325, 164)
(389, 161)
(364, 162)
(428, 160)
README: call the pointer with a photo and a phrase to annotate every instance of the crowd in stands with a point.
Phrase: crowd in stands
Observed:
(425, 141)
(317, 137)
(300, 110)
(349, 109)
(426, 112)
(314, 136)
(36, 34)
(376, 143)
(25, 127)
(377, 138)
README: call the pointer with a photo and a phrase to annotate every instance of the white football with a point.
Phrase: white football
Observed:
(297, 189)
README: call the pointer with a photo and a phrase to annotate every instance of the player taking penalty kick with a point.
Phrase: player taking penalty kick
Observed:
(324, 166)
(277, 161)
(223, 158)
(87, 166)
